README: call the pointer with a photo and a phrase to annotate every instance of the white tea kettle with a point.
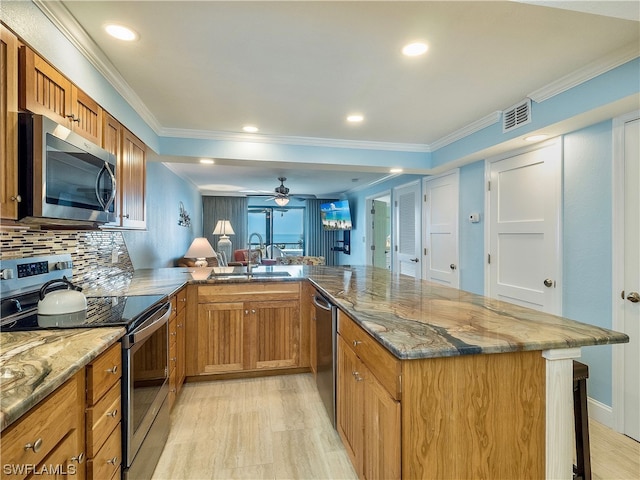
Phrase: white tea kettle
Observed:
(61, 301)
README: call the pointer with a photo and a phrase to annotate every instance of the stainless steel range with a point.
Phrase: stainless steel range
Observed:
(25, 284)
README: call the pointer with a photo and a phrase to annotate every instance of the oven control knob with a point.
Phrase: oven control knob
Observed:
(6, 274)
(63, 265)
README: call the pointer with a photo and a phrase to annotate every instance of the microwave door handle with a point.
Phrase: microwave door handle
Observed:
(105, 206)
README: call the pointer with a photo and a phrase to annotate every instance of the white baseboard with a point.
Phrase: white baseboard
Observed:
(600, 412)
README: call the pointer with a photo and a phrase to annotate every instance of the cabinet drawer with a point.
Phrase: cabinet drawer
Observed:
(102, 418)
(108, 458)
(241, 292)
(378, 360)
(103, 373)
(181, 299)
(45, 425)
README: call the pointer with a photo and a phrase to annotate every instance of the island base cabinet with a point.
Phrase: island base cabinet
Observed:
(474, 416)
(368, 418)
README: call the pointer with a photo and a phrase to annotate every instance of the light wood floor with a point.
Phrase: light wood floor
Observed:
(276, 427)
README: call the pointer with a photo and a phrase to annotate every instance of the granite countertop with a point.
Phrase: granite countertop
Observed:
(411, 318)
(419, 319)
(33, 364)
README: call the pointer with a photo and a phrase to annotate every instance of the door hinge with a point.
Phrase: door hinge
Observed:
(373, 247)
(396, 203)
(396, 248)
(489, 186)
(425, 198)
(488, 258)
(373, 211)
(426, 251)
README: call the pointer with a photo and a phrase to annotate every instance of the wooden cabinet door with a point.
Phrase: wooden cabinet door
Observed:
(274, 329)
(180, 349)
(349, 398)
(44, 90)
(221, 339)
(87, 116)
(132, 181)
(381, 457)
(9, 197)
(65, 460)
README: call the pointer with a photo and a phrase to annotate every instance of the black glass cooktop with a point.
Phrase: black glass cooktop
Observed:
(105, 311)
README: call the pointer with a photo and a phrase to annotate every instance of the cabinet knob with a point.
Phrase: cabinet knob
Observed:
(35, 446)
(78, 458)
(356, 343)
(113, 461)
(16, 198)
(113, 370)
(113, 413)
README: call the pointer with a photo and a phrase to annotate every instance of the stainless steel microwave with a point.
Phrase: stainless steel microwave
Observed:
(62, 175)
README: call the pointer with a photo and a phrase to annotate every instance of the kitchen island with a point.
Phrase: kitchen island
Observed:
(483, 388)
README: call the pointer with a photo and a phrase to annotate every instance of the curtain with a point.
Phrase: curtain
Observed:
(318, 240)
(234, 209)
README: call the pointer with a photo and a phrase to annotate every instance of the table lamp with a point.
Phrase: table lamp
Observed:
(224, 229)
(200, 249)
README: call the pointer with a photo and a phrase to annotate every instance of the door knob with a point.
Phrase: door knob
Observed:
(633, 297)
(548, 282)
(452, 266)
(416, 260)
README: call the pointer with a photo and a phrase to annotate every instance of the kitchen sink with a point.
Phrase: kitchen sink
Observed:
(221, 273)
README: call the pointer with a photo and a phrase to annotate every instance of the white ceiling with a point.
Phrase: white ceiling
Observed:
(296, 69)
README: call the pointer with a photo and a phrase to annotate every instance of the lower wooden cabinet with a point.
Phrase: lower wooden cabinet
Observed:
(177, 344)
(368, 418)
(245, 327)
(49, 439)
(103, 415)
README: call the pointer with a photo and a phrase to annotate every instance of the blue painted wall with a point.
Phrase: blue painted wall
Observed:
(471, 235)
(587, 243)
(164, 241)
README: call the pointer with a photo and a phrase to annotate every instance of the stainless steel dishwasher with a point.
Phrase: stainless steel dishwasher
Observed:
(326, 332)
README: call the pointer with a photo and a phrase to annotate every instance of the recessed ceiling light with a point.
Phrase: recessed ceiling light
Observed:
(414, 49)
(121, 32)
(250, 129)
(207, 161)
(395, 170)
(536, 138)
(355, 118)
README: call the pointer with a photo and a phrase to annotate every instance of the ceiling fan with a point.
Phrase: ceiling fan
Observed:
(282, 195)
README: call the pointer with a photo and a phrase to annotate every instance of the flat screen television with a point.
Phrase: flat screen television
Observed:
(336, 215)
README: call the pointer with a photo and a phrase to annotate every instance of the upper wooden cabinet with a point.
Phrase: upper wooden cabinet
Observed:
(130, 153)
(45, 91)
(9, 195)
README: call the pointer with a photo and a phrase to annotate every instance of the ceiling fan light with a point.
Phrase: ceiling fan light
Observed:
(281, 201)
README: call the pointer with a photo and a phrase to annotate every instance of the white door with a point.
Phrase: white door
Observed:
(524, 263)
(407, 229)
(440, 212)
(627, 270)
(380, 233)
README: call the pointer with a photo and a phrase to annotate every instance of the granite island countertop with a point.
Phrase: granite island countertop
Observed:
(411, 318)
(33, 364)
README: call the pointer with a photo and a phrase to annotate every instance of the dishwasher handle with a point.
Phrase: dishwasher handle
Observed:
(322, 303)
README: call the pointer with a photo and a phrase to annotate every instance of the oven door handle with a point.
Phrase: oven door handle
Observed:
(148, 327)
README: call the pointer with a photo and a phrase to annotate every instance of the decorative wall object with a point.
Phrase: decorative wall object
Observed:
(185, 220)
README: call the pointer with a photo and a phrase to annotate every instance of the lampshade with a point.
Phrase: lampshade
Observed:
(282, 201)
(223, 227)
(200, 249)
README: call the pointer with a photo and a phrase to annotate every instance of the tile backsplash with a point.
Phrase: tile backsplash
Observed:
(92, 252)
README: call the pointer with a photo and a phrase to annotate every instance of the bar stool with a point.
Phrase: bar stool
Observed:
(582, 469)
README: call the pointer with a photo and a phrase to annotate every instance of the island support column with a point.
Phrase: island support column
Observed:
(559, 407)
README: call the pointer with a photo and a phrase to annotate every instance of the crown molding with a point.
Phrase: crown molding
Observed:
(586, 73)
(293, 140)
(58, 14)
(471, 128)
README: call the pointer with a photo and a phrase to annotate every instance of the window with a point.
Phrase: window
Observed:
(282, 227)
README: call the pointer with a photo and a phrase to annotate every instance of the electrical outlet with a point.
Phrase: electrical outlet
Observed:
(114, 255)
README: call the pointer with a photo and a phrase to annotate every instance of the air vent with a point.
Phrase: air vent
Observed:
(516, 116)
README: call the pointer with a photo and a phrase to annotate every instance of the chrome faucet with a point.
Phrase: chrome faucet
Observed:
(249, 257)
